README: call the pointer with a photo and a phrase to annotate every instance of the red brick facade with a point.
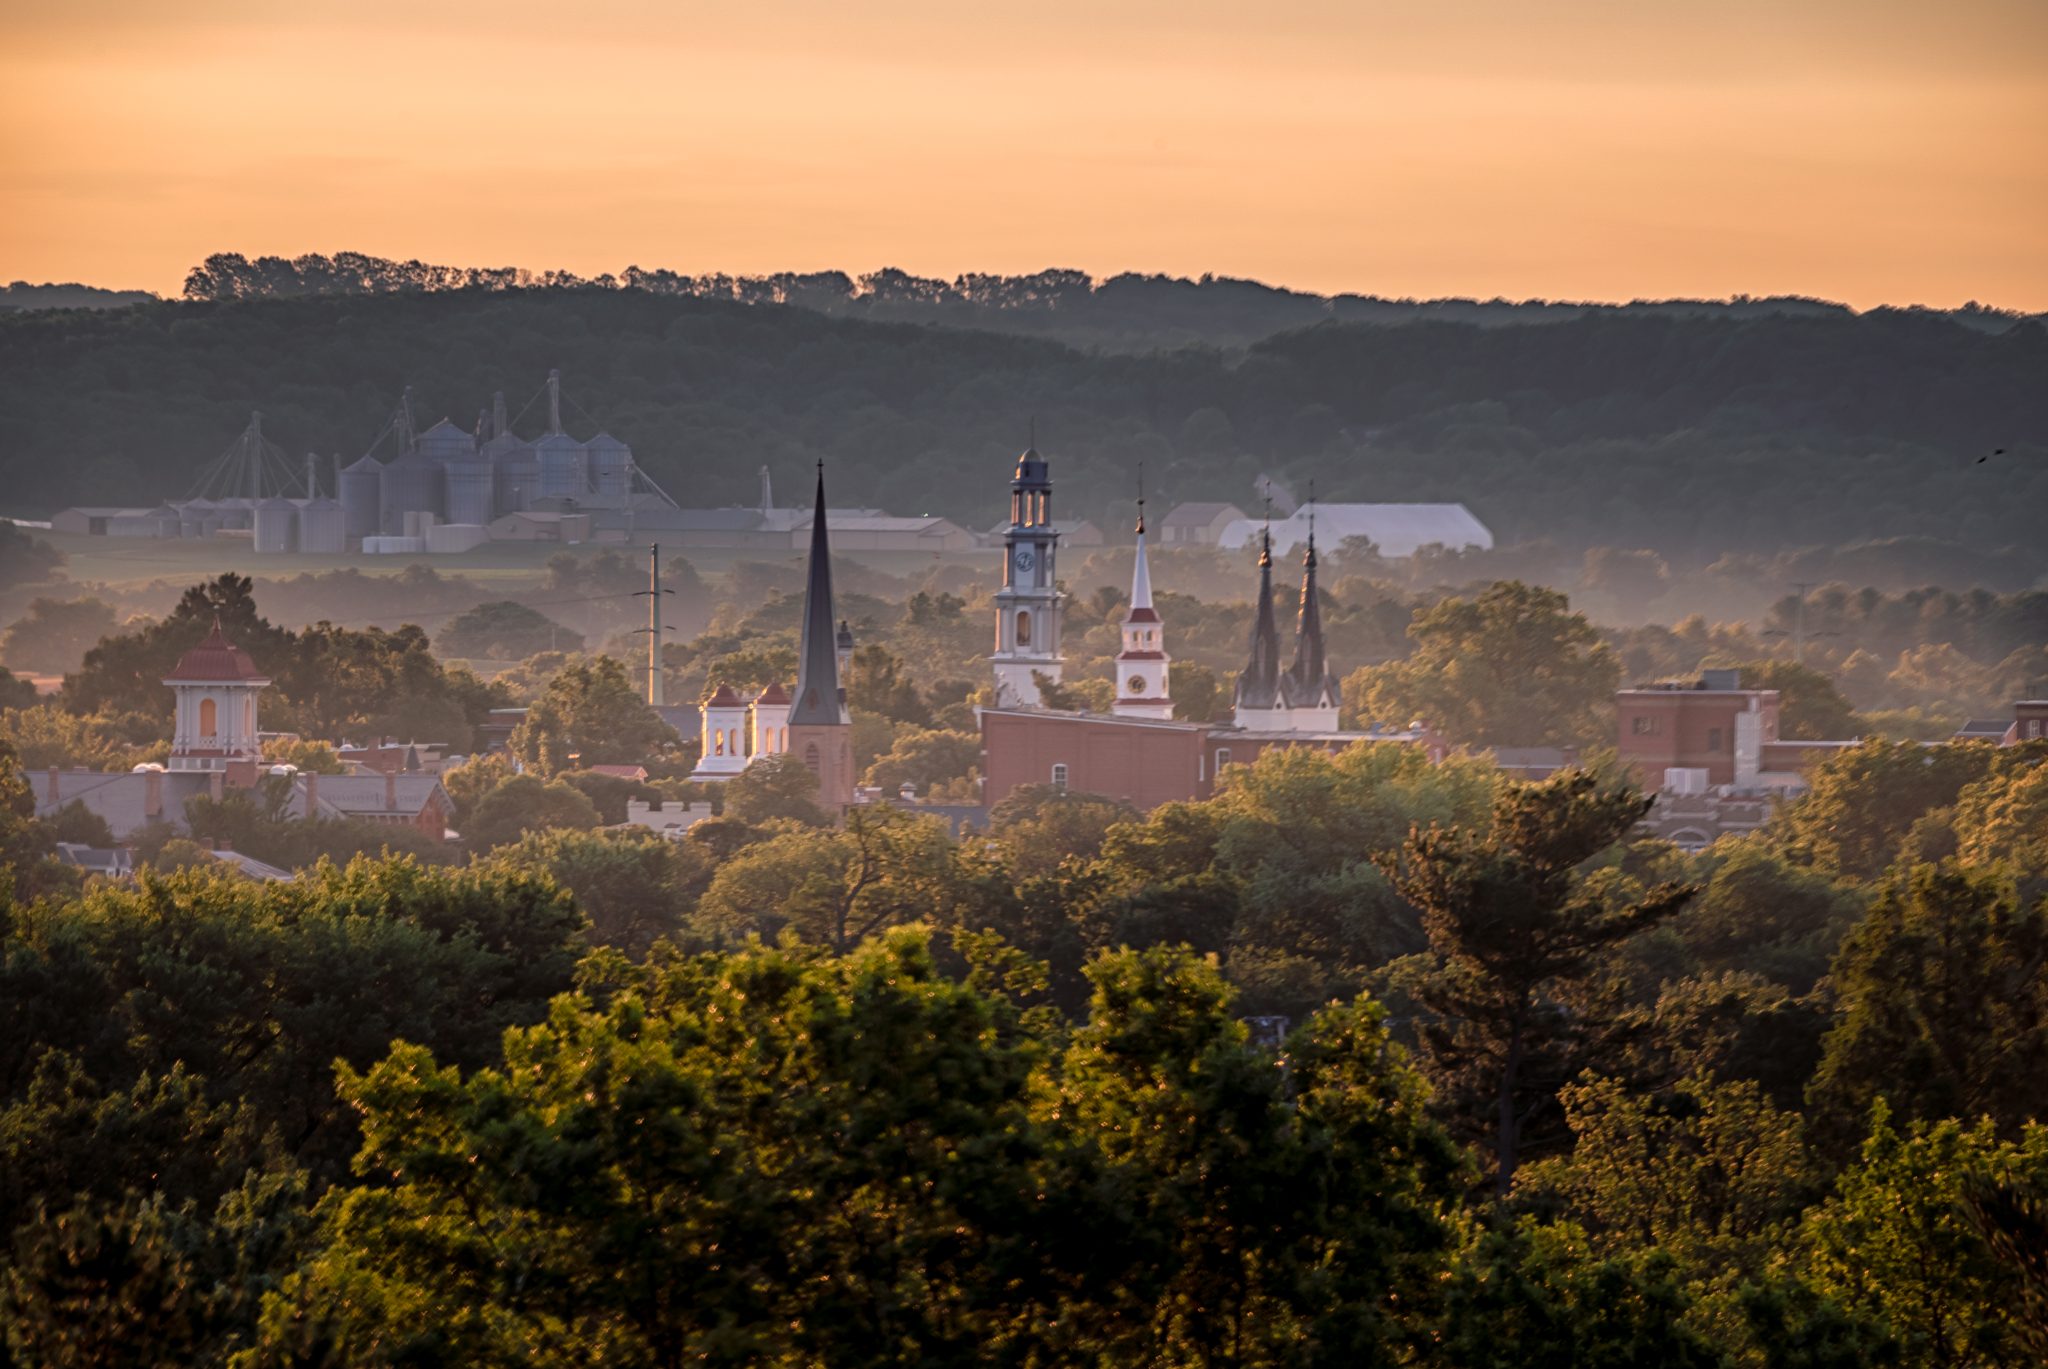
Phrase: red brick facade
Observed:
(1145, 762)
(1141, 760)
(1689, 728)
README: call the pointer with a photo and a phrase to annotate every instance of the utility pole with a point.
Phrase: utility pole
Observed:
(654, 629)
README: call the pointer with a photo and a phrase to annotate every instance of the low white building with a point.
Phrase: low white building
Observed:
(1396, 529)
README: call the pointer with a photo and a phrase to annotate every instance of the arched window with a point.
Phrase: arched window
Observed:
(1059, 775)
(1023, 627)
(209, 719)
(811, 758)
(718, 741)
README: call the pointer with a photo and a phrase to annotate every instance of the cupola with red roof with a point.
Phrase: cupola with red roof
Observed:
(723, 743)
(771, 721)
(216, 684)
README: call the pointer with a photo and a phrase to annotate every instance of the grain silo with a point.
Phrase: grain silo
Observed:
(471, 485)
(411, 484)
(323, 527)
(445, 442)
(236, 512)
(610, 465)
(360, 487)
(273, 523)
(518, 474)
(562, 468)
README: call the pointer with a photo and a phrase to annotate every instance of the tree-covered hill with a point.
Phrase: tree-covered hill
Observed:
(1694, 436)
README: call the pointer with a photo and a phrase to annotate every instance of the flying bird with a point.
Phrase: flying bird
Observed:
(1995, 451)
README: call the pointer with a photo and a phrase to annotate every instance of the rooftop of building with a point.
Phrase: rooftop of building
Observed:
(1396, 529)
(216, 661)
(1198, 514)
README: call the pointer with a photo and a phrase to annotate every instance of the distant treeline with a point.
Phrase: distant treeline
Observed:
(22, 295)
(1130, 311)
(1693, 437)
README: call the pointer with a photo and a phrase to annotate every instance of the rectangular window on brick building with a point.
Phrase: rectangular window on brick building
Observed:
(1643, 727)
(1059, 775)
(1713, 739)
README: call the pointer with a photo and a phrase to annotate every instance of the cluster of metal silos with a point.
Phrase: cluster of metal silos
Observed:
(459, 479)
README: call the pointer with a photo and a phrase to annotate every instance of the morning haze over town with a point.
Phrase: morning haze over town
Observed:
(1121, 685)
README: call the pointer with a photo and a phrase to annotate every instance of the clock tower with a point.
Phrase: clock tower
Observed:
(1028, 605)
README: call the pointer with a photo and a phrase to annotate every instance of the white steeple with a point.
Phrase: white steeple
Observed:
(1142, 664)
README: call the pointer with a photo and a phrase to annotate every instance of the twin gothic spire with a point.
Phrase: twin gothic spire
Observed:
(1307, 683)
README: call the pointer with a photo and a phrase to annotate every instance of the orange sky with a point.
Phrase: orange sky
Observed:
(1871, 151)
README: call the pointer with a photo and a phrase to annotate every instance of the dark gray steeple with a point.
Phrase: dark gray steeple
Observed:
(1308, 683)
(1259, 685)
(817, 664)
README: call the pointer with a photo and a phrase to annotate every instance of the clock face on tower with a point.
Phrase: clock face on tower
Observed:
(1024, 560)
(1136, 684)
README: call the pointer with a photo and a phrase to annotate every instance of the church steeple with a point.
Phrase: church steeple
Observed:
(820, 730)
(1141, 666)
(817, 667)
(1306, 674)
(1310, 691)
(1258, 686)
(1028, 606)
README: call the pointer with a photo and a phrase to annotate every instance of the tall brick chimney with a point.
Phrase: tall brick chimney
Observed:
(53, 791)
(391, 791)
(152, 793)
(312, 779)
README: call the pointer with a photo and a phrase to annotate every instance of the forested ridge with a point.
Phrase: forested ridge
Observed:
(1691, 436)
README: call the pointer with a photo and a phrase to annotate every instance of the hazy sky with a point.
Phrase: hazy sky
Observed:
(1867, 150)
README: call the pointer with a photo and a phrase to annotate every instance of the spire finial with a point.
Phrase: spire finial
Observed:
(1311, 554)
(1141, 499)
(1031, 443)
